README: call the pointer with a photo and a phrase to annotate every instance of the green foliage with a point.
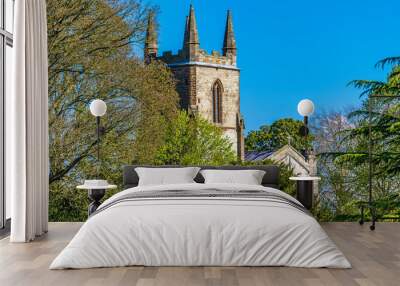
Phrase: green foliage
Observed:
(276, 135)
(346, 168)
(286, 185)
(259, 140)
(381, 109)
(91, 56)
(383, 106)
(67, 203)
(192, 140)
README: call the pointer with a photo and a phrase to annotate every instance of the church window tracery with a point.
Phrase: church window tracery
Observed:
(217, 102)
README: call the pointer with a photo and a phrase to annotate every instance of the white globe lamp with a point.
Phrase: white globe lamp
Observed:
(305, 107)
(98, 107)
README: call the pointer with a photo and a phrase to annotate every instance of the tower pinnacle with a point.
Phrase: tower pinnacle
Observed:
(191, 38)
(229, 39)
(150, 46)
(186, 35)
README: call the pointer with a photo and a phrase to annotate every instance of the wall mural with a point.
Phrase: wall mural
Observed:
(185, 108)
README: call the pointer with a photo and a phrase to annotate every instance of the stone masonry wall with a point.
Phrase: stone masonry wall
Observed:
(205, 79)
(185, 77)
(181, 75)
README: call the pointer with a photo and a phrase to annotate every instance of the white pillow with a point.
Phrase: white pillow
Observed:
(166, 176)
(248, 177)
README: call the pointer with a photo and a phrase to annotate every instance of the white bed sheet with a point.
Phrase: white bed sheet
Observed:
(200, 232)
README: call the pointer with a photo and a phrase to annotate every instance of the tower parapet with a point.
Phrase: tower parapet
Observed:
(193, 54)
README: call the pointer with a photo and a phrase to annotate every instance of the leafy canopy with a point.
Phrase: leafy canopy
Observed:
(345, 163)
(192, 140)
(92, 55)
(276, 135)
(383, 101)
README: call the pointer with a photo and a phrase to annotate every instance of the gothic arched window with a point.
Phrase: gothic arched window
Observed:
(217, 102)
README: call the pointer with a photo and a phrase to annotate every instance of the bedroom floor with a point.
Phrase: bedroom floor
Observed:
(375, 257)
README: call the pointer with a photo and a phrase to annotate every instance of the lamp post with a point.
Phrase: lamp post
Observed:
(305, 183)
(98, 108)
(305, 109)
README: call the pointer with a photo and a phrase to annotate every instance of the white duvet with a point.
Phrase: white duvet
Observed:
(202, 232)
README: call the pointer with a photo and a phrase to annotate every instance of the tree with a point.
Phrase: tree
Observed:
(92, 55)
(385, 118)
(192, 140)
(346, 158)
(276, 135)
(383, 103)
(259, 140)
(338, 187)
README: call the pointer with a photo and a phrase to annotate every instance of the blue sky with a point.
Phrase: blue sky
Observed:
(291, 49)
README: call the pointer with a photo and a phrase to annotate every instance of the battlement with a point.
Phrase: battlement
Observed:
(191, 51)
(201, 56)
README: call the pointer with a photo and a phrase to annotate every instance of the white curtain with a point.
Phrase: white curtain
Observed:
(27, 124)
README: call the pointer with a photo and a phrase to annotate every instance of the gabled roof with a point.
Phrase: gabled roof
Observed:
(257, 155)
(289, 149)
(262, 155)
(281, 155)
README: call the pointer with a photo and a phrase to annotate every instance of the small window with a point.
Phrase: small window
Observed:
(217, 102)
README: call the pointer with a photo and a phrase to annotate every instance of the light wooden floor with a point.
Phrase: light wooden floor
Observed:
(375, 257)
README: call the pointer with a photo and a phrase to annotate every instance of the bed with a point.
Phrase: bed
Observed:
(201, 224)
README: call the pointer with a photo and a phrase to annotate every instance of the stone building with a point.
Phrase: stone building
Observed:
(289, 156)
(208, 84)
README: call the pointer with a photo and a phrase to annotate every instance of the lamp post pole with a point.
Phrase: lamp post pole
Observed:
(305, 109)
(98, 145)
(96, 188)
(98, 108)
(305, 121)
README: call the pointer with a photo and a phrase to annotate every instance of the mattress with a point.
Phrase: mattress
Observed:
(201, 225)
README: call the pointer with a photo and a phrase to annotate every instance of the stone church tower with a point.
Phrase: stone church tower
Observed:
(208, 84)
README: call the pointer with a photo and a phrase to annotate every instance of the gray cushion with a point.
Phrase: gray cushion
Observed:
(270, 179)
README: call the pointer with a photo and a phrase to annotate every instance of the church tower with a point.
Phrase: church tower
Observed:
(208, 84)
